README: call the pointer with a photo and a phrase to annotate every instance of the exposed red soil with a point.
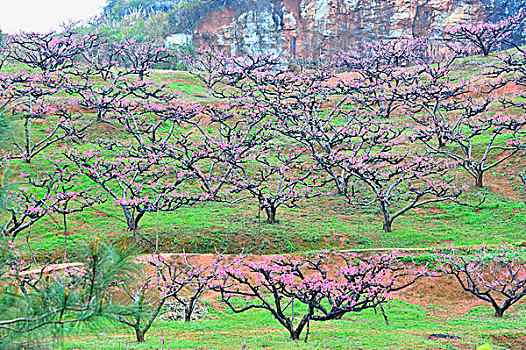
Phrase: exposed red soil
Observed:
(444, 293)
(511, 341)
(498, 178)
(51, 268)
(509, 89)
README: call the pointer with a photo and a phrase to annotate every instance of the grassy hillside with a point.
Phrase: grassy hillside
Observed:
(327, 222)
(433, 314)
(411, 326)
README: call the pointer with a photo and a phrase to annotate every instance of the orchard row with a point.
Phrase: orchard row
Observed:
(295, 290)
(390, 125)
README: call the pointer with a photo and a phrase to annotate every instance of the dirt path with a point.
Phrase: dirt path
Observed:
(51, 268)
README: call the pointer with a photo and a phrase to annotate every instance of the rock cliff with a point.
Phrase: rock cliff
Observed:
(305, 28)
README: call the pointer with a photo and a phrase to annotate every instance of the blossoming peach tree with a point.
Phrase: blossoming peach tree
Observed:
(485, 36)
(496, 277)
(298, 290)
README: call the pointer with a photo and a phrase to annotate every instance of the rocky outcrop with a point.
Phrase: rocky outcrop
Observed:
(306, 28)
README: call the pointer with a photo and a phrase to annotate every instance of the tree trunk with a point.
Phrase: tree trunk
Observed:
(388, 226)
(294, 334)
(441, 142)
(139, 334)
(191, 304)
(479, 182)
(339, 316)
(132, 222)
(65, 235)
(138, 218)
(189, 308)
(387, 220)
(271, 214)
(188, 313)
(384, 314)
(501, 309)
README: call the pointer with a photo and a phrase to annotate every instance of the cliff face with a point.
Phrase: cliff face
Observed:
(305, 28)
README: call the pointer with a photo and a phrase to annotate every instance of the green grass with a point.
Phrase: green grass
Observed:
(409, 326)
(321, 223)
(185, 82)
